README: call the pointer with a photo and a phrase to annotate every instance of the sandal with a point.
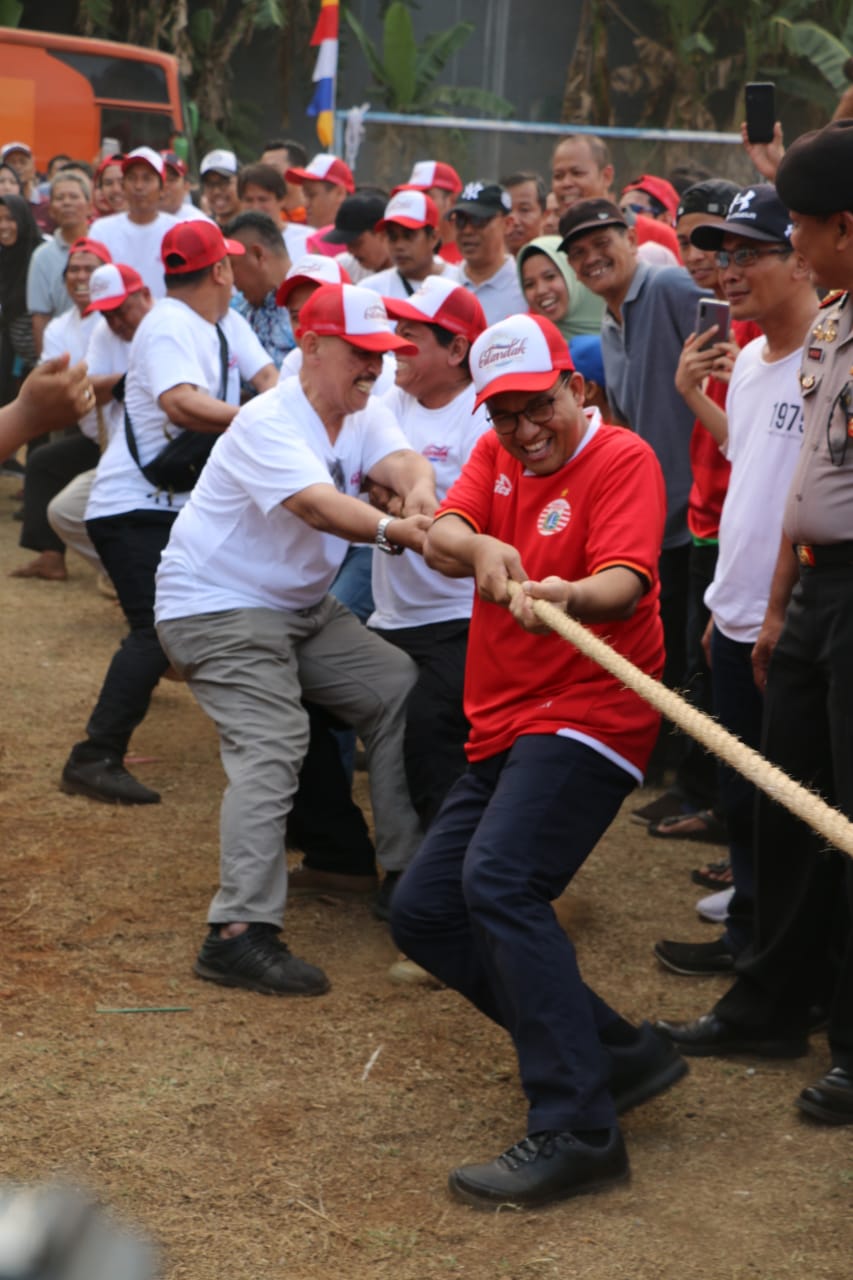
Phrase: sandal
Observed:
(715, 875)
(703, 826)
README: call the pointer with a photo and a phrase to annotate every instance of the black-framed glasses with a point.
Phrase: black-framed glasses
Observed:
(539, 411)
(463, 220)
(747, 257)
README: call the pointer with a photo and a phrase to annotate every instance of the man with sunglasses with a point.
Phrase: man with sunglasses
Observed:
(803, 951)
(571, 510)
(480, 218)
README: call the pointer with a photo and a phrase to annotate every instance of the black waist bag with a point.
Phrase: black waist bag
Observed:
(179, 463)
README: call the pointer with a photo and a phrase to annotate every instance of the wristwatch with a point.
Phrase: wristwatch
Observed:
(381, 539)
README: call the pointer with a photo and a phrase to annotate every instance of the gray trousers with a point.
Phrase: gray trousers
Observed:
(249, 670)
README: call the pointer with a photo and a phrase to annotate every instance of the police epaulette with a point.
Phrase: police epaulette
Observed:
(837, 295)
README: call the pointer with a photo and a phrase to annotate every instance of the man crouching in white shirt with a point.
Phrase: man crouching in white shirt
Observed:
(243, 612)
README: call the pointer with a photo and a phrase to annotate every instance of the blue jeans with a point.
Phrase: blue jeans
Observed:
(474, 908)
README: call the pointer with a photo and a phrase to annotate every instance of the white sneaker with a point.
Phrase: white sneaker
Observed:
(715, 907)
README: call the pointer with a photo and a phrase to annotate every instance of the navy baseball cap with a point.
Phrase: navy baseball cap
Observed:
(756, 213)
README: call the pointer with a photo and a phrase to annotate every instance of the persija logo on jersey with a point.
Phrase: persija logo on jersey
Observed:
(554, 517)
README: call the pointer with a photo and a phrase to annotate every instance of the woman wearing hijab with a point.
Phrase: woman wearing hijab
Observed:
(552, 289)
(19, 238)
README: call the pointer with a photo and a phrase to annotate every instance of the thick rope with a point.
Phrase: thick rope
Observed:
(775, 783)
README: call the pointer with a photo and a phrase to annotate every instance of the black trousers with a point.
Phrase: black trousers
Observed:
(803, 950)
(49, 469)
(130, 546)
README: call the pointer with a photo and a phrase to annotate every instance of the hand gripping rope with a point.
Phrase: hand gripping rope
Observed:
(775, 783)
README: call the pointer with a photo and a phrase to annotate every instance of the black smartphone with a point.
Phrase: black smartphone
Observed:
(760, 110)
(711, 311)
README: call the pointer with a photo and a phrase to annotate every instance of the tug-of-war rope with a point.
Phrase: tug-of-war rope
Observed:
(774, 782)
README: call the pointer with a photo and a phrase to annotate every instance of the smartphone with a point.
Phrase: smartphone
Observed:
(710, 311)
(760, 111)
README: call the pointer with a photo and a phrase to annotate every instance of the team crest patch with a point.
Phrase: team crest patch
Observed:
(554, 517)
(503, 485)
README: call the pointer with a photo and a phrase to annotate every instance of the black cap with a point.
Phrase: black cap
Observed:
(589, 215)
(757, 213)
(483, 200)
(714, 195)
(355, 215)
(816, 173)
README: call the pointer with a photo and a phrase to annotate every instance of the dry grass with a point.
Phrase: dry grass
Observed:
(243, 1133)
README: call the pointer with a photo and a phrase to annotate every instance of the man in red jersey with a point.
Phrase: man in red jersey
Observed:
(572, 510)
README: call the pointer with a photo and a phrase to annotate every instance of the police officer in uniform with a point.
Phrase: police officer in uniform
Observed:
(803, 953)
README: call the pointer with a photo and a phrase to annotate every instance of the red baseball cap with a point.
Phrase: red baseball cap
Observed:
(409, 208)
(195, 244)
(144, 155)
(521, 353)
(358, 316)
(116, 159)
(111, 285)
(85, 245)
(171, 160)
(435, 173)
(314, 268)
(443, 302)
(324, 168)
(659, 188)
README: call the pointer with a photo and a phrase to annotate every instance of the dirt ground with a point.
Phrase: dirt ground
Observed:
(251, 1135)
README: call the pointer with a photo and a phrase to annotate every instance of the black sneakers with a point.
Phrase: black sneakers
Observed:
(696, 959)
(107, 780)
(258, 960)
(644, 1069)
(541, 1168)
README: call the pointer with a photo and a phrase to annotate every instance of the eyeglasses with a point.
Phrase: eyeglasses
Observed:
(747, 257)
(463, 220)
(539, 412)
(636, 208)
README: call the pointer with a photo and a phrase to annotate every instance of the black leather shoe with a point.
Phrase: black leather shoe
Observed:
(258, 960)
(106, 780)
(639, 1072)
(709, 1036)
(831, 1099)
(696, 959)
(541, 1168)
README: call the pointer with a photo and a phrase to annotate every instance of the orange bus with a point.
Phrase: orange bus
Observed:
(68, 94)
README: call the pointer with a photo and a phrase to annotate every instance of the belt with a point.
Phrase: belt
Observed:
(831, 556)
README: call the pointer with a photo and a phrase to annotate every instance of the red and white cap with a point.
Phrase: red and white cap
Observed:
(409, 208)
(440, 301)
(314, 268)
(358, 316)
(144, 155)
(86, 245)
(171, 160)
(195, 244)
(521, 353)
(435, 173)
(111, 285)
(324, 168)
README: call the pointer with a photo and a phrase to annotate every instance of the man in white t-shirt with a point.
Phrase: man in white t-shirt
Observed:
(136, 235)
(243, 611)
(186, 361)
(411, 225)
(120, 296)
(760, 432)
(480, 217)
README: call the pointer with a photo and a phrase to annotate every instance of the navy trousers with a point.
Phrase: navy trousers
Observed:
(474, 909)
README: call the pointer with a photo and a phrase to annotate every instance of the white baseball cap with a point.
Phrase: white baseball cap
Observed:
(144, 155)
(521, 353)
(111, 285)
(219, 161)
(358, 316)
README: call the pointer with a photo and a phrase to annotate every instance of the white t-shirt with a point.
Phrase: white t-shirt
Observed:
(499, 296)
(234, 546)
(71, 332)
(296, 236)
(190, 212)
(765, 415)
(106, 354)
(292, 363)
(136, 244)
(406, 592)
(172, 345)
(390, 283)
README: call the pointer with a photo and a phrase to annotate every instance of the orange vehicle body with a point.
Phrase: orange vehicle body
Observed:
(67, 94)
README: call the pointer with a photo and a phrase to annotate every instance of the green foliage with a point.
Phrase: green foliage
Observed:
(10, 13)
(406, 72)
(201, 27)
(820, 47)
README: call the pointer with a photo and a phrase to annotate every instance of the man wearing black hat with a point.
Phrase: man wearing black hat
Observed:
(480, 218)
(804, 891)
(365, 245)
(650, 312)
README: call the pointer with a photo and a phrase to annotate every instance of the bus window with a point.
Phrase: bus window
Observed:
(137, 128)
(119, 78)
